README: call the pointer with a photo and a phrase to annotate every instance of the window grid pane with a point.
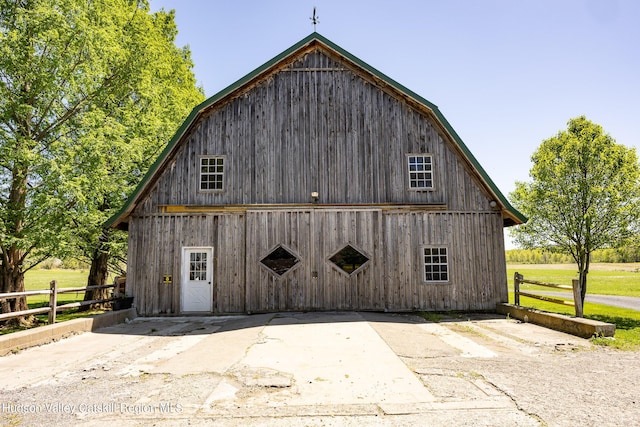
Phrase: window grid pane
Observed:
(420, 172)
(436, 267)
(211, 173)
(198, 266)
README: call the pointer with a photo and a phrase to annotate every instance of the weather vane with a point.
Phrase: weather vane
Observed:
(315, 19)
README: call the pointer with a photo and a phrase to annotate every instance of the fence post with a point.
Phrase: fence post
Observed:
(577, 297)
(517, 279)
(53, 301)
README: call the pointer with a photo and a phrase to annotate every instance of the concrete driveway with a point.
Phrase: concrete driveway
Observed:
(321, 369)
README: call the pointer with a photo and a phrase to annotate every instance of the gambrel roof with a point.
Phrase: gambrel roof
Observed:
(510, 215)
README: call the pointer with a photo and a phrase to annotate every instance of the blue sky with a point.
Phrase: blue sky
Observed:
(506, 74)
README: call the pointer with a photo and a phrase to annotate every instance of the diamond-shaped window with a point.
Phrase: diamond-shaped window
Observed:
(349, 259)
(280, 260)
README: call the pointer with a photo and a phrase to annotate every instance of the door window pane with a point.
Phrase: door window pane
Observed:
(198, 266)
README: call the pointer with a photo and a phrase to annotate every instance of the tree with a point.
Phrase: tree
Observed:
(69, 70)
(584, 195)
(163, 93)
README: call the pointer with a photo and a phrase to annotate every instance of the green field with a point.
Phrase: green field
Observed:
(603, 279)
(40, 279)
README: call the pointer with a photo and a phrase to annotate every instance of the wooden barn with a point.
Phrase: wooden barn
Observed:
(315, 182)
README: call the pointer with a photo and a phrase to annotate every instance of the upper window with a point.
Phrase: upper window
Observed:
(420, 171)
(436, 265)
(212, 173)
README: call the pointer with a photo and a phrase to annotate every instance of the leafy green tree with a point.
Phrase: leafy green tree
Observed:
(163, 94)
(584, 195)
(74, 77)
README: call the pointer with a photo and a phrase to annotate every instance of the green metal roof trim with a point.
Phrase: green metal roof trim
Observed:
(118, 217)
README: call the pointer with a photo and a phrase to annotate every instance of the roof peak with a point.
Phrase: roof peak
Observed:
(269, 66)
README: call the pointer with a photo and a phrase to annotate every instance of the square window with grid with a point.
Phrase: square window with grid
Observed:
(436, 265)
(198, 266)
(211, 173)
(420, 172)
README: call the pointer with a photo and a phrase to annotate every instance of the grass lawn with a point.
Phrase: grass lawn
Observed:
(604, 279)
(40, 279)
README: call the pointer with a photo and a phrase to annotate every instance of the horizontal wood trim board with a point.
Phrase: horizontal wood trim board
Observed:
(243, 208)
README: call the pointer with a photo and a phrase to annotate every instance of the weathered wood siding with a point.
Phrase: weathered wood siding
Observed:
(476, 261)
(155, 249)
(316, 283)
(316, 126)
(392, 279)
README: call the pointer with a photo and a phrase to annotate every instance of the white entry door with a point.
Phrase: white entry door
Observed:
(197, 274)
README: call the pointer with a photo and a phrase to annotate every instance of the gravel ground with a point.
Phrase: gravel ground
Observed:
(564, 387)
(556, 379)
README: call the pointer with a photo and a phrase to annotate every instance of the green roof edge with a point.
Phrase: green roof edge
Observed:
(186, 124)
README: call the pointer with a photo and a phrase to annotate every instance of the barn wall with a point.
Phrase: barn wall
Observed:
(155, 249)
(392, 240)
(316, 126)
(476, 261)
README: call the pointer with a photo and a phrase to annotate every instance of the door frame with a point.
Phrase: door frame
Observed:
(184, 275)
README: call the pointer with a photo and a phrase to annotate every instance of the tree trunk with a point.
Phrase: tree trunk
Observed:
(98, 274)
(583, 259)
(583, 271)
(11, 269)
(12, 280)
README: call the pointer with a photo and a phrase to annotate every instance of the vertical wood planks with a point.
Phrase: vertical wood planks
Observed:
(308, 128)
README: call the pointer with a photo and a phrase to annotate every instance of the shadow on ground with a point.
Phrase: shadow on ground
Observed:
(198, 325)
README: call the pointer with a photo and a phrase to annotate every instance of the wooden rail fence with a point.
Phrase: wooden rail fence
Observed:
(518, 279)
(53, 307)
